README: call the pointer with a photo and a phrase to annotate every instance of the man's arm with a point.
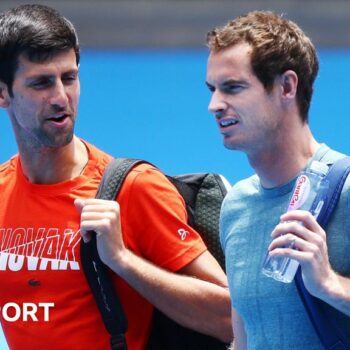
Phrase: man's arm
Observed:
(240, 337)
(196, 297)
(309, 240)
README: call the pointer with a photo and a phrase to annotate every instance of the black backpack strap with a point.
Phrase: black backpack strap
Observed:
(96, 272)
(330, 335)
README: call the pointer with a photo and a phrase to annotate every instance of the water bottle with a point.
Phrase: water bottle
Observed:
(309, 194)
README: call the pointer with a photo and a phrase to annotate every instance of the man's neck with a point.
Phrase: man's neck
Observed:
(285, 159)
(50, 165)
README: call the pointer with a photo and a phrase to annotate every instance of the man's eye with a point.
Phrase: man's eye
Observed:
(41, 83)
(70, 78)
(211, 88)
(234, 88)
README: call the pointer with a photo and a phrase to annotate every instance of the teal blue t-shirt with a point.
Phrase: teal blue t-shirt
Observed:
(273, 314)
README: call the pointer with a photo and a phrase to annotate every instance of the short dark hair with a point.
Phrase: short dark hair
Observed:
(36, 31)
(277, 45)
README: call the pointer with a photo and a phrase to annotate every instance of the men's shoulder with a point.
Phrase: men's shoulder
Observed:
(4, 167)
(8, 175)
(9, 166)
(330, 156)
(146, 174)
(245, 188)
(145, 177)
(146, 185)
(346, 189)
(241, 195)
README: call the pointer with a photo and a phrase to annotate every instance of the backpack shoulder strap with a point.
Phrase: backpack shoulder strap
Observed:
(336, 177)
(96, 272)
(114, 176)
(330, 335)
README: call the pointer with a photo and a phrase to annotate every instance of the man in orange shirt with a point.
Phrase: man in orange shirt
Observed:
(47, 204)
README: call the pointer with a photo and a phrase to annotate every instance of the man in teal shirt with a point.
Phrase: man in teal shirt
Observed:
(261, 71)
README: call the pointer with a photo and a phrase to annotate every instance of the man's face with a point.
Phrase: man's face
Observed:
(247, 115)
(45, 99)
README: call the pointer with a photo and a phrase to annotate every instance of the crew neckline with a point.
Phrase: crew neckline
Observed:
(287, 187)
(61, 187)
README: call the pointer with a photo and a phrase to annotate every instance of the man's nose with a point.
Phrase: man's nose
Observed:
(217, 103)
(59, 95)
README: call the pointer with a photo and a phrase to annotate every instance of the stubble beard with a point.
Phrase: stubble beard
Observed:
(56, 141)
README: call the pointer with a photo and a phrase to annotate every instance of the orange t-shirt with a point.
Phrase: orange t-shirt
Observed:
(40, 254)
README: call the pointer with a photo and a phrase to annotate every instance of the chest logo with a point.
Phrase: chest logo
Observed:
(38, 249)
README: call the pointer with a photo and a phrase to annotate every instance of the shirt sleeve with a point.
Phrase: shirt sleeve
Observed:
(154, 220)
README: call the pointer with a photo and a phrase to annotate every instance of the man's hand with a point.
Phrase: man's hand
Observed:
(207, 301)
(102, 217)
(307, 244)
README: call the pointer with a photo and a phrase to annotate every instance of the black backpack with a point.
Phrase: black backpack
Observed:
(203, 195)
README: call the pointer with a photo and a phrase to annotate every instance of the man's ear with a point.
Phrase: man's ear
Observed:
(289, 84)
(4, 95)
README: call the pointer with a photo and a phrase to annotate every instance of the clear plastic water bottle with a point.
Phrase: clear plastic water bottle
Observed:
(309, 194)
